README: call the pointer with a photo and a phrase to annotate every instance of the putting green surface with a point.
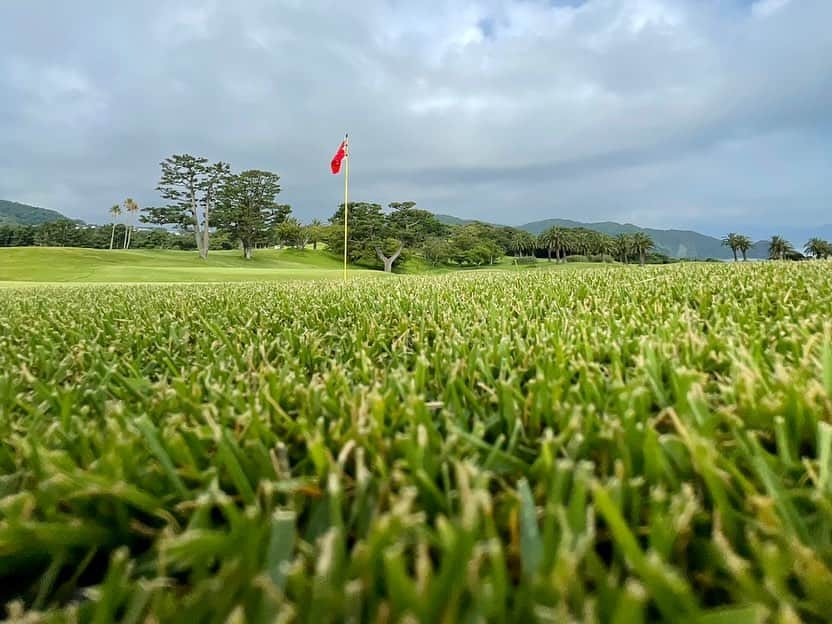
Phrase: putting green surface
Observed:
(38, 265)
(64, 264)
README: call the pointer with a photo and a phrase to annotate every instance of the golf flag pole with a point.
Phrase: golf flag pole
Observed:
(346, 197)
(340, 155)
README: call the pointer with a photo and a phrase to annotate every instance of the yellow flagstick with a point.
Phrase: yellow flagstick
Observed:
(346, 198)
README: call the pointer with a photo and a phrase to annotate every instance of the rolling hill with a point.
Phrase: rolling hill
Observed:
(13, 213)
(452, 220)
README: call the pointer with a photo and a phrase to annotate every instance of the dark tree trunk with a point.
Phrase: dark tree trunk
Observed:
(314, 245)
(734, 249)
(549, 253)
(641, 258)
(743, 255)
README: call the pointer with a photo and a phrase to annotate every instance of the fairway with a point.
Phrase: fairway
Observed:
(623, 444)
(34, 265)
(58, 264)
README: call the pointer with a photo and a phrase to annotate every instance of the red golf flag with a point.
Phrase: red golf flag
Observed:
(339, 156)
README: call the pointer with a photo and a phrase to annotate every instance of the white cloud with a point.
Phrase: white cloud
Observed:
(613, 109)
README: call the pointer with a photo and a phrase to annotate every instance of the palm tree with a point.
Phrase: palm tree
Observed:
(582, 242)
(598, 243)
(732, 241)
(606, 246)
(743, 243)
(817, 247)
(642, 244)
(623, 246)
(555, 239)
(522, 242)
(543, 242)
(132, 207)
(778, 247)
(115, 213)
(529, 242)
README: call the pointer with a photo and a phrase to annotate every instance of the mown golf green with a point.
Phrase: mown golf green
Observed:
(67, 264)
(618, 445)
(74, 265)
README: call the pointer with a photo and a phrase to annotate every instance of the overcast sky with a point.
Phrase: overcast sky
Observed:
(711, 114)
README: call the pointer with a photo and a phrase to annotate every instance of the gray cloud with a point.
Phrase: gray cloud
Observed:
(696, 113)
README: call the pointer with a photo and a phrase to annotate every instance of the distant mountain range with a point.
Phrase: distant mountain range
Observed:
(674, 243)
(12, 213)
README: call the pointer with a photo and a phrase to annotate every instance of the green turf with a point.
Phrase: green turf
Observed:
(66, 264)
(618, 445)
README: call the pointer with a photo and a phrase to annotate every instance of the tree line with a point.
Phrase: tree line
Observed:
(209, 206)
(379, 238)
(204, 197)
(67, 233)
(778, 247)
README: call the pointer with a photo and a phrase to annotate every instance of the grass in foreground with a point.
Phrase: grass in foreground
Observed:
(608, 445)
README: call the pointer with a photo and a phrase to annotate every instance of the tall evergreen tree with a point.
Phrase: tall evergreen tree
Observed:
(192, 187)
(247, 208)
